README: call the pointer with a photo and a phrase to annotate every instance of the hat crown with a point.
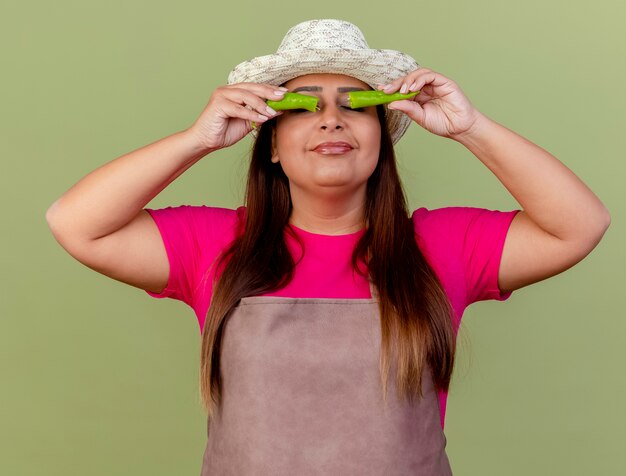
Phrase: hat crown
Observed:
(325, 34)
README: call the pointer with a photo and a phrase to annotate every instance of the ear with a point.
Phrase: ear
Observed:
(275, 158)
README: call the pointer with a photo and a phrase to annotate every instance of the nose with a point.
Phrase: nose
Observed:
(337, 126)
(330, 117)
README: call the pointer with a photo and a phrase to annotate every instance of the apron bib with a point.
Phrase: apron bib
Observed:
(301, 395)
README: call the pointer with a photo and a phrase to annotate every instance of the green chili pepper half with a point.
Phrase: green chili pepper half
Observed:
(294, 101)
(358, 99)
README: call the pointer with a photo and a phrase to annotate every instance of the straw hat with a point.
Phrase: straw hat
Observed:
(330, 46)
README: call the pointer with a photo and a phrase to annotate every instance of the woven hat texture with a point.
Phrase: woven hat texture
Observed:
(330, 46)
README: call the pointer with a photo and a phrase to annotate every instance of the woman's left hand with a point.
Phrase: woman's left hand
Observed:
(440, 107)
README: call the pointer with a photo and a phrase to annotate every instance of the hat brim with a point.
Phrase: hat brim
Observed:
(372, 66)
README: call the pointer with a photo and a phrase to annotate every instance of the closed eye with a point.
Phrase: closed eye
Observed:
(360, 109)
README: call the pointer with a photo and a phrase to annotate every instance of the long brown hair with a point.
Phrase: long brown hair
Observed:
(415, 313)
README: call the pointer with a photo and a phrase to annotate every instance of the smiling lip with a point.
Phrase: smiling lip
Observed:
(333, 148)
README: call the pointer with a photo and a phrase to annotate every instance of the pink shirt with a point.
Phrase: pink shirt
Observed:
(462, 244)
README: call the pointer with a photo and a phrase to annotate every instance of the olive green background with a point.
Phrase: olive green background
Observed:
(98, 378)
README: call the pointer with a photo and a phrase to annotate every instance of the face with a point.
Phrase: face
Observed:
(299, 132)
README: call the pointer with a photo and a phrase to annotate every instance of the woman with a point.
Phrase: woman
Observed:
(328, 345)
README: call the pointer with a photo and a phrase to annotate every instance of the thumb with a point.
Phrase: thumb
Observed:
(410, 108)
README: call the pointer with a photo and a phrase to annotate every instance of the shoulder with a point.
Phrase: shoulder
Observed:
(461, 233)
(441, 223)
(457, 218)
(198, 228)
(468, 242)
(438, 216)
(199, 216)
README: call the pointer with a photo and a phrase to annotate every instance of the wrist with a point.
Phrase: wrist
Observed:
(191, 135)
(475, 132)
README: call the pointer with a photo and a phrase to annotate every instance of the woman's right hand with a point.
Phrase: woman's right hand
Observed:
(228, 116)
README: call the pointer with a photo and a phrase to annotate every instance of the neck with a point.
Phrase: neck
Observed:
(328, 214)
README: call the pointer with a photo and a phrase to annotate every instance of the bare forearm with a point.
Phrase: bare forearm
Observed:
(112, 195)
(550, 193)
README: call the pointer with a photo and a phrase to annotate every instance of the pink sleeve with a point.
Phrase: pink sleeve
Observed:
(473, 238)
(193, 236)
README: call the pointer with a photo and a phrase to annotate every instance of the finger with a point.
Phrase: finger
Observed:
(410, 108)
(244, 112)
(396, 84)
(429, 79)
(268, 91)
(250, 100)
(415, 81)
(422, 98)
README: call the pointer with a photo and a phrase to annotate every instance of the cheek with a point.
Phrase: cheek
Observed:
(287, 138)
(372, 142)
(372, 136)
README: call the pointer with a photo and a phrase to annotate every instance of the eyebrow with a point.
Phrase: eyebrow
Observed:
(319, 88)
